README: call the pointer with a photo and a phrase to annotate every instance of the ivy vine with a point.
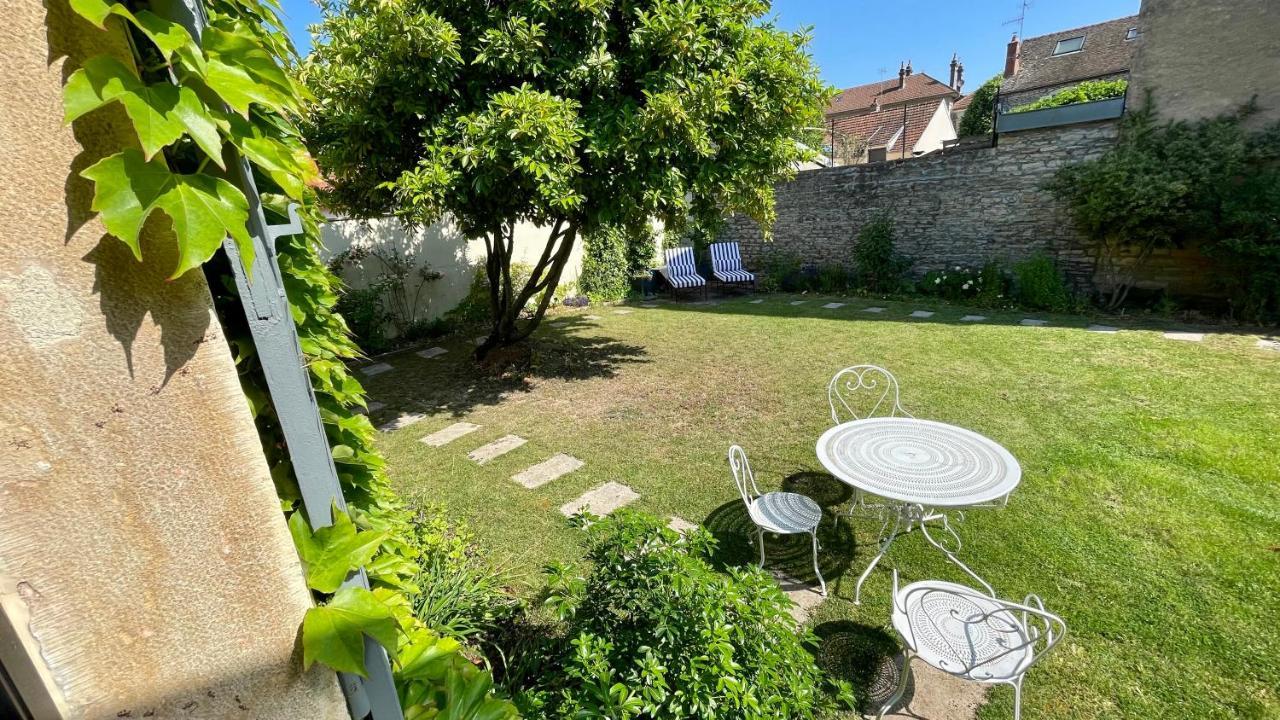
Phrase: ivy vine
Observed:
(191, 103)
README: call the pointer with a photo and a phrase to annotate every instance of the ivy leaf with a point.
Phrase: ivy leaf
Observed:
(333, 634)
(168, 36)
(95, 11)
(199, 123)
(204, 209)
(332, 552)
(104, 79)
(242, 72)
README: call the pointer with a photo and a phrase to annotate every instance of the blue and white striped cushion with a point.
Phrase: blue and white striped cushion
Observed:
(726, 264)
(682, 271)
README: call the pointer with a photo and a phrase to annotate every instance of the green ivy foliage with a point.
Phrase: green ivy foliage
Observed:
(652, 630)
(1087, 91)
(605, 276)
(977, 118)
(188, 104)
(878, 264)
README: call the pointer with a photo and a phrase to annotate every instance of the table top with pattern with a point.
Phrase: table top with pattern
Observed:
(919, 461)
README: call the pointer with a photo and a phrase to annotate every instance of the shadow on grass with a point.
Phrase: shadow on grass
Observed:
(824, 488)
(865, 657)
(457, 383)
(791, 554)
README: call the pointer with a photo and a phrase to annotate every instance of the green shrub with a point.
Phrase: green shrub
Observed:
(475, 309)
(605, 276)
(1087, 91)
(651, 630)
(782, 271)
(833, 279)
(879, 267)
(1039, 285)
(366, 316)
(987, 286)
(977, 117)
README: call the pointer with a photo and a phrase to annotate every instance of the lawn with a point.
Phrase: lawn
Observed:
(1148, 515)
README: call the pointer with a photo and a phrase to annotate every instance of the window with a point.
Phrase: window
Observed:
(1131, 33)
(1069, 45)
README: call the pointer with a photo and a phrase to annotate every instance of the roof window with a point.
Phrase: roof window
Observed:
(1068, 45)
(1131, 33)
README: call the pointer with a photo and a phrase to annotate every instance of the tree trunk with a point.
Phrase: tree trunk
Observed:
(505, 303)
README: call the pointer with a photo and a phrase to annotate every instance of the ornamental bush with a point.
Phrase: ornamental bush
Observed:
(605, 274)
(1087, 91)
(977, 117)
(1040, 286)
(879, 267)
(651, 630)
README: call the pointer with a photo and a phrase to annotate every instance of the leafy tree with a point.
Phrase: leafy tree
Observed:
(567, 114)
(977, 117)
(1087, 91)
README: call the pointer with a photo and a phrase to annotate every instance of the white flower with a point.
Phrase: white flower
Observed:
(937, 280)
(957, 268)
(965, 286)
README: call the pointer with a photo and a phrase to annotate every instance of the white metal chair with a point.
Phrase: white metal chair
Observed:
(971, 635)
(872, 382)
(784, 513)
(726, 265)
(681, 270)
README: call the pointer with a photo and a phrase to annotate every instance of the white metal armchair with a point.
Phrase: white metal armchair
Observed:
(863, 391)
(971, 635)
(784, 513)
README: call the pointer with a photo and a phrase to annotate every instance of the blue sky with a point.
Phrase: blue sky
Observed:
(856, 42)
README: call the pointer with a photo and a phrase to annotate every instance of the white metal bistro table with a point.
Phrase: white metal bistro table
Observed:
(921, 469)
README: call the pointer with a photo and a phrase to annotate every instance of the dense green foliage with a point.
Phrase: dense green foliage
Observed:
(1039, 284)
(1087, 91)
(605, 276)
(879, 266)
(181, 106)
(977, 118)
(985, 287)
(653, 631)
(570, 115)
(389, 307)
(1211, 182)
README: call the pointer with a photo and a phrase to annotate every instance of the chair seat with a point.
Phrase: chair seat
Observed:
(785, 513)
(734, 276)
(930, 615)
(683, 281)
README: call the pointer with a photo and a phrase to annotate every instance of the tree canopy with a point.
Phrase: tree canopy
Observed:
(571, 114)
(977, 117)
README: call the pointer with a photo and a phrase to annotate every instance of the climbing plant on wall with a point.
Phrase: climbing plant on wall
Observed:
(193, 104)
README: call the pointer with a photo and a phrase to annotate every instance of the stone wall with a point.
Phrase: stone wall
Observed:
(956, 207)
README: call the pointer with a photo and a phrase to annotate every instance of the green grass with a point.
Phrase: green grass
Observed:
(1148, 515)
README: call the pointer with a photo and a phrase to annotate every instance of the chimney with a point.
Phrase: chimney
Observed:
(875, 105)
(1012, 56)
(959, 76)
(955, 65)
(902, 75)
(908, 68)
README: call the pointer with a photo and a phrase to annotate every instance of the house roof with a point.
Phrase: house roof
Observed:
(881, 128)
(962, 103)
(861, 97)
(1105, 52)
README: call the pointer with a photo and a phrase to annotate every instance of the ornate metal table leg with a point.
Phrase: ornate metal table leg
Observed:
(885, 541)
(949, 552)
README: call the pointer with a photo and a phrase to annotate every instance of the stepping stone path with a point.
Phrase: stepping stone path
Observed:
(650, 306)
(1105, 329)
(1033, 322)
(375, 369)
(754, 302)
(402, 420)
(680, 525)
(479, 340)
(799, 302)
(804, 597)
(833, 306)
(449, 434)
(922, 314)
(1265, 344)
(591, 317)
(431, 352)
(601, 501)
(375, 406)
(1185, 336)
(499, 447)
(547, 470)
(623, 312)
(873, 309)
(973, 318)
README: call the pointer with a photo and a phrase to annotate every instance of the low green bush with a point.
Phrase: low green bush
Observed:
(879, 267)
(651, 630)
(366, 317)
(474, 309)
(987, 286)
(1087, 91)
(605, 276)
(782, 271)
(1039, 285)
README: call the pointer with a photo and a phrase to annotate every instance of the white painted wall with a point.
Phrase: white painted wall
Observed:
(939, 130)
(440, 246)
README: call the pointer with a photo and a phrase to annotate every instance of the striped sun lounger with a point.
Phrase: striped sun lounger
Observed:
(726, 264)
(681, 272)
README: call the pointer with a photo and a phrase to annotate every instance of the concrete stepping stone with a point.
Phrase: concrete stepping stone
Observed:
(601, 501)
(1033, 322)
(1265, 344)
(1184, 336)
(623, 312)
(497, 448)
(649, 306)
(755, 302)
(479, 340)
(449, 434)
(680, 525)
(592, 317)
(375, 369)
(973, 318)
(922, 314)
(873, 309)
(833, 305)
(804, 597)
(1105, 329)
(431, 352)
(547, 470)
(799, 302)
(373, 407)
(401, 421)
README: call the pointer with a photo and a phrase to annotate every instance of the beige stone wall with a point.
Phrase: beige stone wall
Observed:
(1202, 58)
(145, 568)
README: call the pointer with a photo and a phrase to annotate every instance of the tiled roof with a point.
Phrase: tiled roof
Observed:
(1105, 52)
(861, 97)
(878, 128)
(962, 103)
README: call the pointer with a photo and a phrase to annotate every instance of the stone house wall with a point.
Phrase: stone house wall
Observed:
(964, 206)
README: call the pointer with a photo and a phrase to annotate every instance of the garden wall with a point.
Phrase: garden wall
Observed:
(963, 206)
